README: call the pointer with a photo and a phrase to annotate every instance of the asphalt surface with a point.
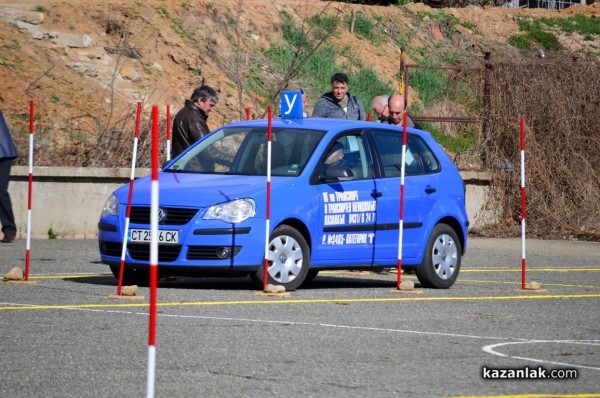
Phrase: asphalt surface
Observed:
(343, 335)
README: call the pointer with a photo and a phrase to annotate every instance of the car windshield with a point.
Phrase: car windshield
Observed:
(243, 151)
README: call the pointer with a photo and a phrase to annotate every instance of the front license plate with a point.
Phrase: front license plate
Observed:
(165, 236)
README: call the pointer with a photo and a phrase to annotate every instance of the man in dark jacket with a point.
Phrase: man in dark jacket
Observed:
(190, 122)
(339, 103)
(396, 109)
(8, 152)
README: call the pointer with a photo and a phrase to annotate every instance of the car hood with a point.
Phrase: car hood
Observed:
(194, 190)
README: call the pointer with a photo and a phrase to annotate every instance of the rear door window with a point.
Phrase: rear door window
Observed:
(419, 158)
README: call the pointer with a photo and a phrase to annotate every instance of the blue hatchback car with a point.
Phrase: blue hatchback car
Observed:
(335, 194)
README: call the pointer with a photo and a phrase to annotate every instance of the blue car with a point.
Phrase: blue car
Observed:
(335, 198)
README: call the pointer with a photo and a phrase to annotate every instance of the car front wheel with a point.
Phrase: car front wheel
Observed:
(289, 258)
(441, 262)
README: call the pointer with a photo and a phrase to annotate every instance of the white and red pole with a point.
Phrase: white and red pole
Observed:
(153, 256)
(401, 214)
(523, 261)
(30, 192)
(268, 210)
(168, 132)
(129, 197)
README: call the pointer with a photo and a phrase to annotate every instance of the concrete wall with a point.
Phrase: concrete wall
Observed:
(478, 185)
(69, 200)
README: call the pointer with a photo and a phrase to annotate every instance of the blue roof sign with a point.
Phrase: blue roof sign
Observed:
(291, 105)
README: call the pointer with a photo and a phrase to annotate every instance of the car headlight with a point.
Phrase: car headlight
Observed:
(111, 207)
(232, 212)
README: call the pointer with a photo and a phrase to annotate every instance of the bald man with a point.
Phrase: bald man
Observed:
(396, 111)
(379, 105)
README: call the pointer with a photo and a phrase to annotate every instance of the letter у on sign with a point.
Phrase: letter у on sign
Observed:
(291, 105)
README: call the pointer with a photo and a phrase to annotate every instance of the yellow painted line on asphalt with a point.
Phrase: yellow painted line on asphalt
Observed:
(70, 276)
(494, 269)
(519, 283)
(518, 269)
(276, 300)
(332, 272)
(583, 395)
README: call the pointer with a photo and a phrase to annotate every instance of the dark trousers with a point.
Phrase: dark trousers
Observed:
(7, 218)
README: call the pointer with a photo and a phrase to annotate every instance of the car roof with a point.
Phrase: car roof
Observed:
(309, 123)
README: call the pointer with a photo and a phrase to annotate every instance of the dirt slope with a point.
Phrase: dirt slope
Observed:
(172, 46)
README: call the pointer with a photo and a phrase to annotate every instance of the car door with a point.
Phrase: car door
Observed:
(348, 208)
(419, 193)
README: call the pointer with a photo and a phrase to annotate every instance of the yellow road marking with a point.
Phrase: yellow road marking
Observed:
(70, 276)
(494, 269)
(519, 283)
(584, 395)
(518, 269)
(303, 301)
(330, 272)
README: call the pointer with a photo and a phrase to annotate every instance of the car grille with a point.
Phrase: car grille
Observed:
(209, 252)
(175, 215)
(141, 252)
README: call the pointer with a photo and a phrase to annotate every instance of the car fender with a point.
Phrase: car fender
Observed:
(294, 212)
(444, 211)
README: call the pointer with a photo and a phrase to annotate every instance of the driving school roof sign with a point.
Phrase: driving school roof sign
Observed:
(291, 105)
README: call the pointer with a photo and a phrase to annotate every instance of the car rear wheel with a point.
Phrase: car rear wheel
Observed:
(441, 262)
(288, 256)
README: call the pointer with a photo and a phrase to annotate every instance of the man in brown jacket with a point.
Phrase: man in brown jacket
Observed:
(190, 122)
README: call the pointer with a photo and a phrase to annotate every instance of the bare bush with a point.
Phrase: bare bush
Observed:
(558, 98)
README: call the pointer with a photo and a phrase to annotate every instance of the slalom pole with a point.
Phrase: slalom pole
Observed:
(401, 214)
(369, 117)
(168, 133)
(30, 191)
(268, 211)
(248, 116)
(523, 260)
(153, 256)
(402, 71)
(129, 198)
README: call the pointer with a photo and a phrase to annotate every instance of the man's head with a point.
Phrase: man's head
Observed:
(339, 86)
(304, 96)
(304, 99)
(379, 105)
(205, 98)
(396, 109)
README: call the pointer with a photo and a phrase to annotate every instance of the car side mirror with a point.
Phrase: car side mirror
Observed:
(336, 173)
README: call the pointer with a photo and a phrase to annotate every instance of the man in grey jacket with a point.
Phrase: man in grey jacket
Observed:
(8, 152)
(339, 103)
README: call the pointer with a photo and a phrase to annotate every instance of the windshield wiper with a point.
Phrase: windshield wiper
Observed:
(179, 171)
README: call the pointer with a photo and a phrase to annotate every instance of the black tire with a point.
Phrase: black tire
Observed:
(289, 259)
(442, 259)
(310, 275)
(131, 277)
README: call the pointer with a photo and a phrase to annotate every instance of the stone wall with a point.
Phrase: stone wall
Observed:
(67, 201)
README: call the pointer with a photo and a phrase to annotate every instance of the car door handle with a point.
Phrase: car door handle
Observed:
(430, 189)
(376, 194)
